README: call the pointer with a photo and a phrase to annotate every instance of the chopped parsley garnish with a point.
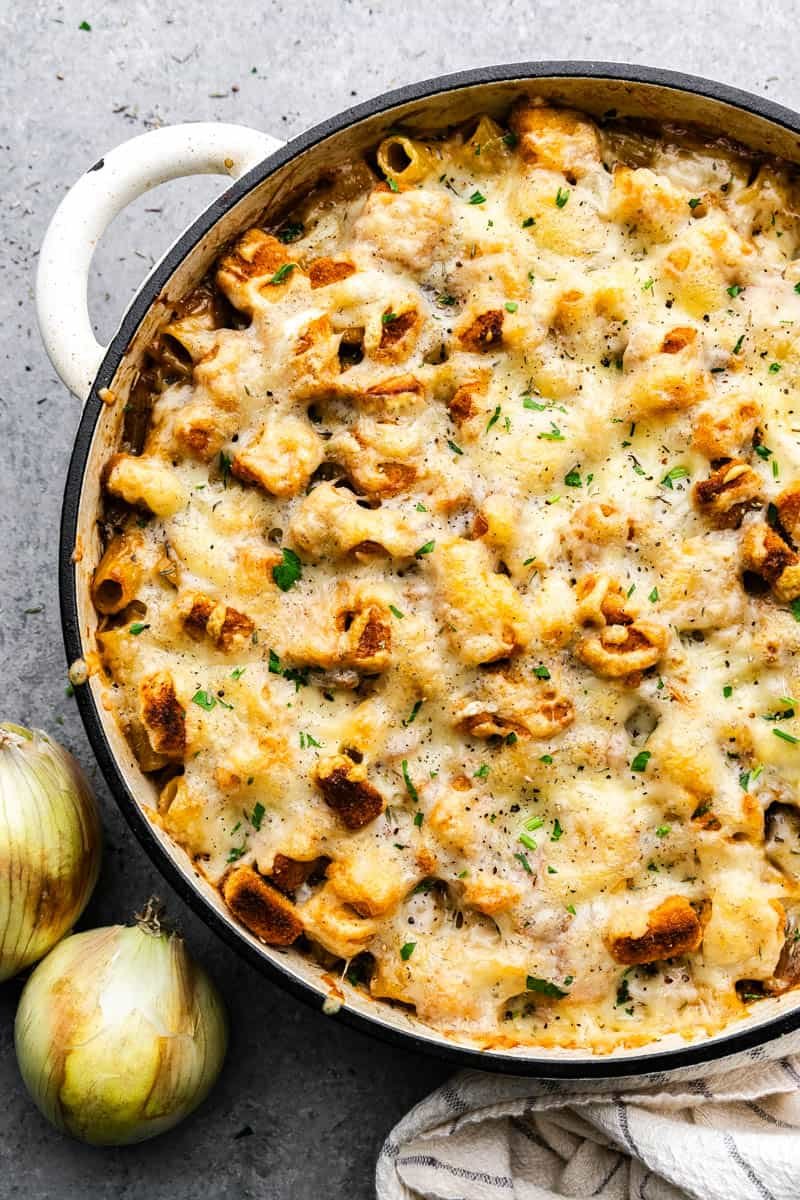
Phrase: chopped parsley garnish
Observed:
(445, 299)
(534, 823)
(786, 737)
(477, 198)
(737, 349)
(412, 791)
(420, 507)
(663, 831)
(392, 184)
(236, 853)
(797, 288)
(795, 607)
(511, 306)
(494, 418)
(748, 777)
(673, 475)
(428, 548)
(546, 758)
(647, 286)
(623, 993)
(641, 760)
(296, 675)
(571, 910)
(524, 860)
(510, 139)
(735, 290)
(783, 714)
(257, 815)
(418, 819)
(774, 368)
(511, 738)
(482, 772)
(562, 196)
(693, 203)
(526, 224)
(653, 595)
(204, 699)
(727, 691)
(529, 402)
(224, 467)
(287, 573)
(456, 449)
(527, 841)
(555, 836)
(555, 434)
(573, 478)
(407, 950)
(396, 612)
(137, 627)
(282, 273)
(290, 232)
(545, 987)
(238, 672)
(412, 716)
(274, 663)
(763, 452)
(307, 741)
(541, 672)
(388, 317)
(85, 26)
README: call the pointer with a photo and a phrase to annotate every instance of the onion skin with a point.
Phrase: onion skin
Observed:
(50, 845)
(119, 1035)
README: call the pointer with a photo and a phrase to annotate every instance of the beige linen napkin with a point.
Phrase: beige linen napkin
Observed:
(726, 1131)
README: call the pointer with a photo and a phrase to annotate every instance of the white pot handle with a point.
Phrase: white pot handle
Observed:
(91, 205)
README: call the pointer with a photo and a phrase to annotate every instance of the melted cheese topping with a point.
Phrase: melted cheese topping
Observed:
(465, 600)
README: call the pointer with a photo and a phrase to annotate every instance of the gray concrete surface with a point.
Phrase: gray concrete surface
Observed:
(304, 1103)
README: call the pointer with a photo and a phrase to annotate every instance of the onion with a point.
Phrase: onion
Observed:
(119, 1035)
(50, 842)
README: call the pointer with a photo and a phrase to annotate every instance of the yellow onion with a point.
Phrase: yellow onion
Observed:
(50, 843)
(119, 1035)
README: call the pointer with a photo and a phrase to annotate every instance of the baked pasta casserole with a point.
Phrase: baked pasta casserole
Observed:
(451, 584)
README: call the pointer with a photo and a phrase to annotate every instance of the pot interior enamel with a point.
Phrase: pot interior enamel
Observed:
(630, 91)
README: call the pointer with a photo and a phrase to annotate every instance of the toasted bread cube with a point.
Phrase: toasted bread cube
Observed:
(262, 908)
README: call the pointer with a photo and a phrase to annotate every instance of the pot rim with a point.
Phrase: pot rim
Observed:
(588, 1067)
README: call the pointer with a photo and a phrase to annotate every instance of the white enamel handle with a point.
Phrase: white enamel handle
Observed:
(91, 205)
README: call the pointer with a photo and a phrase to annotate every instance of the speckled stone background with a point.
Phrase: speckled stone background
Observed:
(303, 1103)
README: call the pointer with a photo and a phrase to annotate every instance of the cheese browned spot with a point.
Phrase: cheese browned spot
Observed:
(672, 928)
(728, 493)
(324, 271)
(162, 715)
(484, 333)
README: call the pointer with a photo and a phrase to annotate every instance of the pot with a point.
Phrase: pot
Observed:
(268, 175)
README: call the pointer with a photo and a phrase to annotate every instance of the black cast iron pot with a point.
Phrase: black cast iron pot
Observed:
(268, 175)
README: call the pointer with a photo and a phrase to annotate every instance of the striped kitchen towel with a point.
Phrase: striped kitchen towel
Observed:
(728, 1131)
